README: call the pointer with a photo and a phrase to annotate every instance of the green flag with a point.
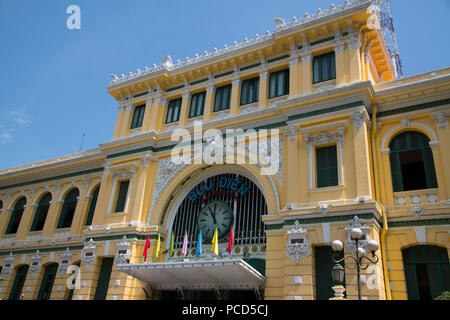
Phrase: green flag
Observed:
(171, 245)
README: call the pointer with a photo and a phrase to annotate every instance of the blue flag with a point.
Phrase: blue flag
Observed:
(199, 244)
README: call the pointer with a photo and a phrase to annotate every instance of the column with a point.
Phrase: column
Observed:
(294, 76)
(361, 153)
(158, 107)
(209, 102)
(354, 60)
(184, 113)
(339, 51)
(119, 121)
(126, 120)
(148, 114)
(25, 221)
(235, 94)
(306, 80)
(263, 87)
(292, 166)
(442, 155)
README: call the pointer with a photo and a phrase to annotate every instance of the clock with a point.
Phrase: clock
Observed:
(215, 214)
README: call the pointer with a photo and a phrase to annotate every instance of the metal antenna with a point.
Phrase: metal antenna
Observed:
(82, 140)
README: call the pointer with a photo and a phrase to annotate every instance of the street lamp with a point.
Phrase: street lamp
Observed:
(359, 257)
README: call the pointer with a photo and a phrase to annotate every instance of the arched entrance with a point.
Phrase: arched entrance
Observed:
(427, 271)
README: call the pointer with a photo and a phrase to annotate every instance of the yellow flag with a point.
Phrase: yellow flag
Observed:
(215, 243)
(158, 245)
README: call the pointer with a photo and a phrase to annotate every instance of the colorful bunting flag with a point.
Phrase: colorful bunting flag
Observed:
(199, 245)
(185, 243)
(171, 244)
(147, 245)
(230, 241)
(158, 245)
(215, 244)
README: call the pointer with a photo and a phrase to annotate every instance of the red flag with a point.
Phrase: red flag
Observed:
(147, 245)
(230, 241)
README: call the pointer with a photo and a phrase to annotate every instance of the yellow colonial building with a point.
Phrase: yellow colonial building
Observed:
(343, 141)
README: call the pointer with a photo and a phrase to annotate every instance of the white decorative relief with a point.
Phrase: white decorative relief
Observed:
(8, 266)
(292, 132)
(88, 255)
(324, 208)
(324, 87)
(35, 265)
(122, 252)
(359, 118)
(297, 246)
(325, 137)
(350, 244)
(441, 119)
(417, 212)
(64, 262)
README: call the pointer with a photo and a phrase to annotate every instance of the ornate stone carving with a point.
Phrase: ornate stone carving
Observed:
(356, 223)
(307, 58)
(123, 174)
(406, 122)
(323, 208)
(35, 265)
(292, 133)
(167, 169)
(359, 118)
(8, 266)
(441, 119)
(297, 246)
(64, 262)
(325, 137)
(325, 87)
(222, 115)
(122, 252)
(88, 255)
(417, 212)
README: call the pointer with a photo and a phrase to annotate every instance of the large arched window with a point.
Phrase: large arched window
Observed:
(412, 164)
(47, 282)
(68, 209)
(427, 271)
(92, 205)
(16, 216)
(41, 212)
(19, 281)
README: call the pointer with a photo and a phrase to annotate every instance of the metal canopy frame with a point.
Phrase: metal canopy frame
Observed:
(227, 274)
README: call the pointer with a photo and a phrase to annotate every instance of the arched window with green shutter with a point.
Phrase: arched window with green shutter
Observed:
(18, 283)
(68, 209)
(412, 163)
(16, 216)
(41, 212)
(92, 205)
(427, 271)
(45, 290)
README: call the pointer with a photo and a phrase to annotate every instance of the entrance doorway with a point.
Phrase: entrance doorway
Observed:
(208, 295)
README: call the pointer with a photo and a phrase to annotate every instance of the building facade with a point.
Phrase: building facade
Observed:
(356, 145)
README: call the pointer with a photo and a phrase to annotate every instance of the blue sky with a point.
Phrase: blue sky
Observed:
(52, 79)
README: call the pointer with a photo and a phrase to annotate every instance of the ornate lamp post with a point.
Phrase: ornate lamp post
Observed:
(359, 258)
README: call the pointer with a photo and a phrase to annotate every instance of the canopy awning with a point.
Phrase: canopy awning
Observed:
(233, 274)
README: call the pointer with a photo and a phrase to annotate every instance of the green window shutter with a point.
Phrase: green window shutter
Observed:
(122, 196)
(16, 216)
(324, 67)
(411, 148)
(19, 281)
(197, 104)
(1, 205)
(47, 282)
(279, 83)
(92, 205)
(323, 266)
(138, 116)
(68, 209)
(103, 279)
(173, 111)
(222, 98)
(326, 167)
(427, 269)
(41, 213)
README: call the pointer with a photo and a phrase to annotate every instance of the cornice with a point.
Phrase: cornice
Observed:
(248, 44)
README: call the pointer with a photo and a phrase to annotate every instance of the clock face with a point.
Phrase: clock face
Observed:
(216, 214)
